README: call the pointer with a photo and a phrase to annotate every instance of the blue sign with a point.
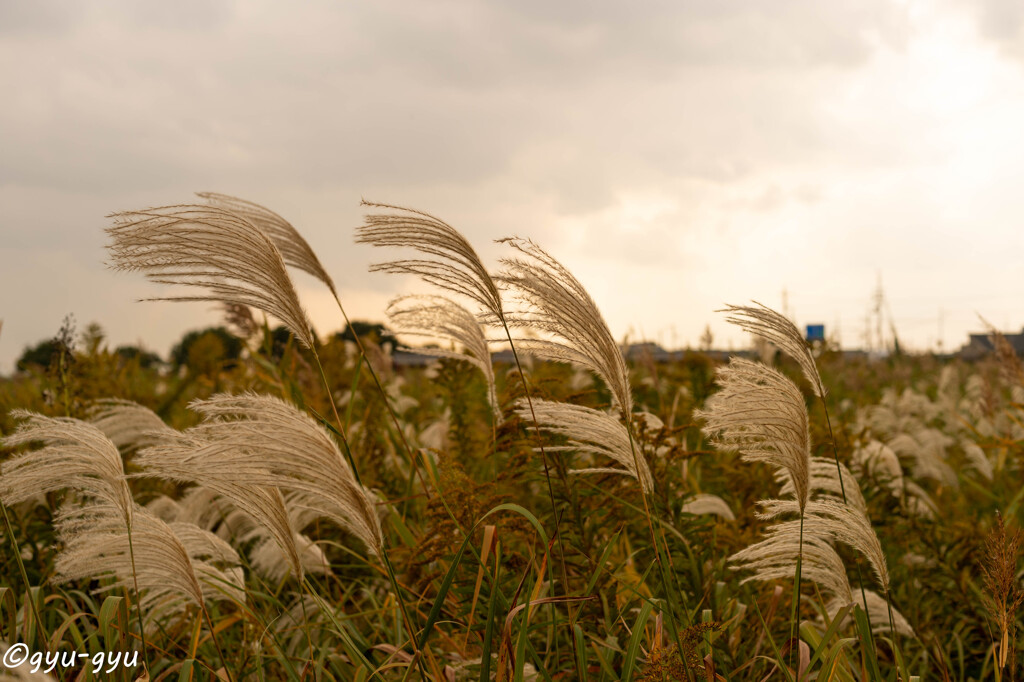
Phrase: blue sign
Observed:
(815, 332)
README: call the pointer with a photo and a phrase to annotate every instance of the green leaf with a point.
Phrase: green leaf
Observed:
(633, 649)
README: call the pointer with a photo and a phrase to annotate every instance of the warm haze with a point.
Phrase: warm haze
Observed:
(676, 155)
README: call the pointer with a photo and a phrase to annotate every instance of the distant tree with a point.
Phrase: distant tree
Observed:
(145, 358)
(37, 356)
(205, 351)
(374, 331)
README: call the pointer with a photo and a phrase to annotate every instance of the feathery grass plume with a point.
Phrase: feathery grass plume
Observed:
(451, 263)
(174, 565)
(824, 480)
(226, 471)
(75, 455)
(840, 521)
(762, 414)
(263, 441)
(439, 317)
(295, 250)
(878, 614)
(592, 432)
(703, 503)
(764, 322)
(774, 558)
(213, 249)
(556, 304)
(129, 425)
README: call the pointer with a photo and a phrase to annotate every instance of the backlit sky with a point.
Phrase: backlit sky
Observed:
(674, 155)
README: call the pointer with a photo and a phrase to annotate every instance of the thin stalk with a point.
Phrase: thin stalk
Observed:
(337, 418)
(405, 613)
(842, 488)
(138, 596)
(384, 395)
(795, 612)
(666, 584)
(24, 574)
(216, 642)
(547, 477)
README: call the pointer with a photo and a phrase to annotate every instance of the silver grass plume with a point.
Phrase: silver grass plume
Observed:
(556, 304)
(295, 250)
(703, 503)
(221, 470)
(824, 480)
(213, 249)
(263, 441)
(592, 432)
(439, 317)
(773, 559)
(764, 322)
(841, 522)
(75, 455)
(173, 565)
(128, 424)
(450, 263)
(762, 414)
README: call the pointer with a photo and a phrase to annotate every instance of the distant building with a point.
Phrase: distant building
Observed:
(980, 345)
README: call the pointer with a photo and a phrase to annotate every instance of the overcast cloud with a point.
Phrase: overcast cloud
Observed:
(675, 155)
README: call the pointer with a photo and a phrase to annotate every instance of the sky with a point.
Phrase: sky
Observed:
(675, 156)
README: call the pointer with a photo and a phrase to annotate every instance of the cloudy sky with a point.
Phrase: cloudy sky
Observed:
(675, 155)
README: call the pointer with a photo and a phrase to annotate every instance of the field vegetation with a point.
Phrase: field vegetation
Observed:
(271, 503)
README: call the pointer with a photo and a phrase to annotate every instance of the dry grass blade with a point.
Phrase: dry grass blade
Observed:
(762, 414)
(556, 304)
(590, 432)
(451, 263)
(295, 250)
(263, 441)
(776, 328)
(439, 317)
(212, 249)
(74, 455)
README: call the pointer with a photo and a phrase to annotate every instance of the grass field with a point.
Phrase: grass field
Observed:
(303, 507)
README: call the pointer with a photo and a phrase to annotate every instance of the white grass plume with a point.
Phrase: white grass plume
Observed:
(295, 250)
(212, 249)
(75, 455)
(761, 413)
(439, 317)
(128, 424)
(172, 568)
(878, 614)
(450, 263)
(263, 441)
(824, 480)
(226, 471)
(839, 521)
(774, 558)
(703, 503)
(591, 432)
(762, 321)
(556, 304)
